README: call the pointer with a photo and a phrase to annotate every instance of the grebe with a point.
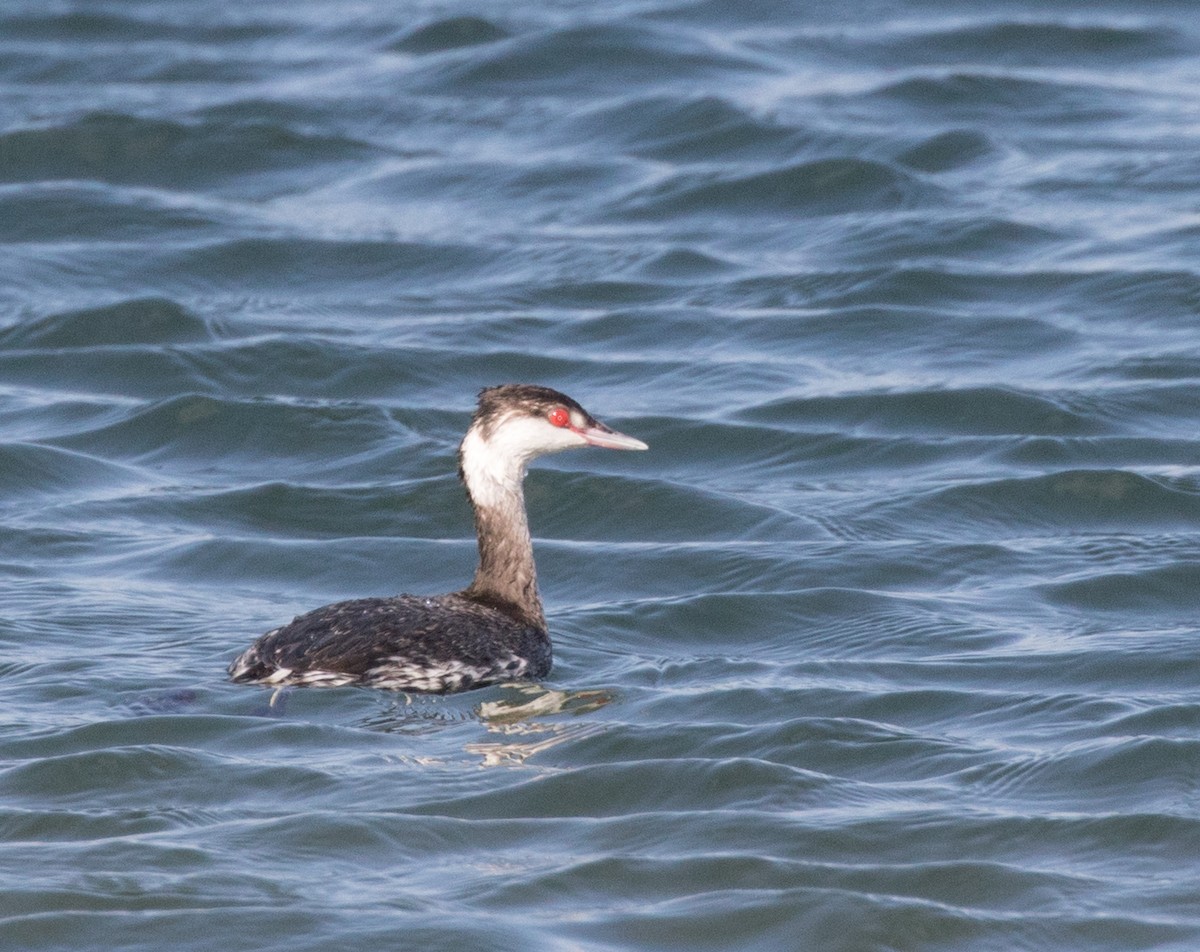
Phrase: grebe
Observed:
(493, 630)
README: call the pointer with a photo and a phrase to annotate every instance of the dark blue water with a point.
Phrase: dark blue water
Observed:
(890, 642)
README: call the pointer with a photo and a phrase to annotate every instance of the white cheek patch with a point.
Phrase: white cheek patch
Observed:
(494, 468)
(527, 437)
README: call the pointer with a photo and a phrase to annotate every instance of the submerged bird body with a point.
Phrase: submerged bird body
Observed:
(492, 631)
(409, 643)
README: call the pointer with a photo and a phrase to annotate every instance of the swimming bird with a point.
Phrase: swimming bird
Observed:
(494, 630)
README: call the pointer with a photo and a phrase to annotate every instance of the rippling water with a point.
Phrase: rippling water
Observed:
(890, 642)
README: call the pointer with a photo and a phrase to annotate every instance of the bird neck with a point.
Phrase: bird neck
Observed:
(506, 575)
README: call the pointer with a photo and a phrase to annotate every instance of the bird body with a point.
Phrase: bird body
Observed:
(410, 643)
(492, 631)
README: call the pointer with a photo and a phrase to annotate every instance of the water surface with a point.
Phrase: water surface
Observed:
(890, 642)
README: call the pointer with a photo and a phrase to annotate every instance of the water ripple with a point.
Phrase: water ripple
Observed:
(119, 148)
(889, 642)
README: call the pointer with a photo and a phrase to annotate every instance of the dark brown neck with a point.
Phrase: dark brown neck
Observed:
(506, 575)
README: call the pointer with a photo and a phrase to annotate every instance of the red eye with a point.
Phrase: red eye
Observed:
(559, 416)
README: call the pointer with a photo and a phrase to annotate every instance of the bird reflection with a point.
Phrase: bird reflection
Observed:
(516, 719)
